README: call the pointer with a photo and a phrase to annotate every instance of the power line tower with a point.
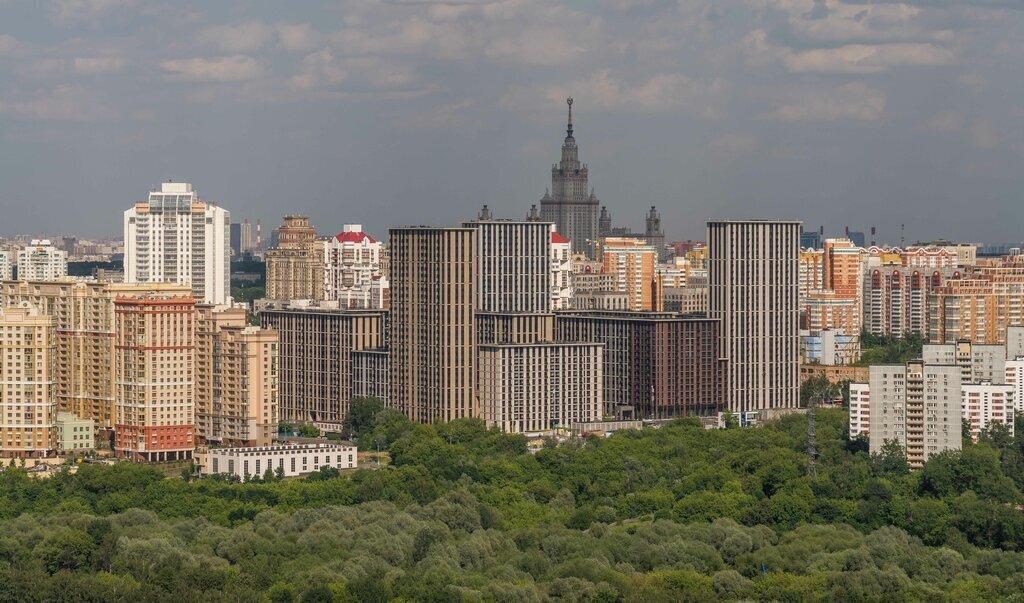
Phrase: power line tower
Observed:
(812, 451)
(828, 391)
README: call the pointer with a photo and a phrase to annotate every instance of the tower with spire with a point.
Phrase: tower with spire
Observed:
(571, 204)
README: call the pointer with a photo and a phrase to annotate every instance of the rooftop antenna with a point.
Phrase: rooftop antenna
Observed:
(902, 238)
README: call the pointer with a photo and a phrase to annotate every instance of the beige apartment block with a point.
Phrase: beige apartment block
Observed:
(83, 312)
(28, 407)
(295, 266)
(632, 264)
(236, 379)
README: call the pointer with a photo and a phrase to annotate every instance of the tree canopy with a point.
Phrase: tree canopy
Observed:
(466, 513)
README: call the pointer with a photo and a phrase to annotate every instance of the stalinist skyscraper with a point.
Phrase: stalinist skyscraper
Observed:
(570, 204)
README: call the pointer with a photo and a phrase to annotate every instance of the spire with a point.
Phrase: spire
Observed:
(569, 129)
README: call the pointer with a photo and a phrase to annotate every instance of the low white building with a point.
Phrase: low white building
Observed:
(985, 404)
(293, 459)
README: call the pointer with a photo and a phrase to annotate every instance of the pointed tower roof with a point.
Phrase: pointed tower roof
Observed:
(568, 130)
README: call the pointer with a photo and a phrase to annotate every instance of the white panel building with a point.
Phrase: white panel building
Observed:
(292, 459)
(175, 237)
(977, 362)
(1015, 378)
(860, 409)
(42, 261)
(352, 270)
(6, 265)
(561, 271)
(985, 404)
(1014, 342)
(917, 405)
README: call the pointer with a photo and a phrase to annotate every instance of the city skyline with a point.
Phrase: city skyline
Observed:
(824, 111)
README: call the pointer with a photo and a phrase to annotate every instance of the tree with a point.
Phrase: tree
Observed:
(890, 460)
(362, 415)
(309, 431)
(965, 433)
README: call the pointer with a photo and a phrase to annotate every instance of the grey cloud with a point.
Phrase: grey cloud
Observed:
(371, 111)
(853, 101)
(234, 68)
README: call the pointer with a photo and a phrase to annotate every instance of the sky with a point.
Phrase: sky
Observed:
(835, 112)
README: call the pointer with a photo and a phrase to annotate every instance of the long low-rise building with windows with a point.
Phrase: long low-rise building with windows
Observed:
(291, 459)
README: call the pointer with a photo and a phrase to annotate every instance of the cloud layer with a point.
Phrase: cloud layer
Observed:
(380, 112)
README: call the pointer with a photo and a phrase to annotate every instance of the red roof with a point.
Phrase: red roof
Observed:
(352, 237)
(557, 238)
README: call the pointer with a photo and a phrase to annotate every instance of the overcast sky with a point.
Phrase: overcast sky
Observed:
(839, 112)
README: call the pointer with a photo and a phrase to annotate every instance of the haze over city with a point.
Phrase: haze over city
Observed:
(837, 113)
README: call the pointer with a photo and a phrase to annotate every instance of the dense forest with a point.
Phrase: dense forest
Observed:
(466, 514)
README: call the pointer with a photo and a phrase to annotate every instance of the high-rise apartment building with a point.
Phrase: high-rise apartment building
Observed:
(352, 274)
(1014, 342)
(236, 379)
(83, 372)
(235, 238)
(6, 265)
(897, 299)
(812, 271)
(316, 350)
(295, 267)
(978, 362)
(561, 271)
(538, 387)
(860, 409)
(154, 368)
(632, 263)
(570, 204)
(42, 261)
(175, 237)
(433, 338)
(513, 266)
(917, 405)
(831, 291)
(246, 237)
(844, 267)
(982, 305)
(371, 375)
(754, 287)
(656, 364)
(28, 406)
